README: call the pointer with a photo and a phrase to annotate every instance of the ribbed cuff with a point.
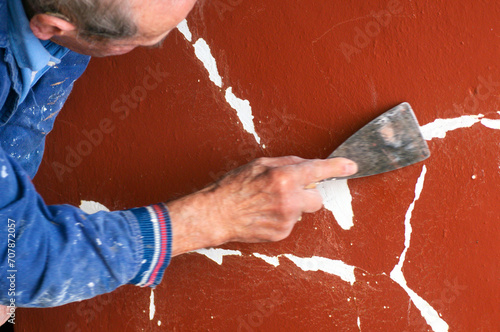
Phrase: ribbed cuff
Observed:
(156, 231)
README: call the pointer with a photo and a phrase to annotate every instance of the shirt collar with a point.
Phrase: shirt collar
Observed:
(29, 51)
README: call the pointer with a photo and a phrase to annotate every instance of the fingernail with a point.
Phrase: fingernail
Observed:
(350, 168)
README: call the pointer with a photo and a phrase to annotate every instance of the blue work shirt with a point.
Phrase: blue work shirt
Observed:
(58, 254)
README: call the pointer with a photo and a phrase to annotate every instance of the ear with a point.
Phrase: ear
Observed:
(46, 26)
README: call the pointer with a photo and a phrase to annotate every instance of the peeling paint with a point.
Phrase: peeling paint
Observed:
(337, 198)
(428, 312)
(244, 112)
(490, 123)
(217, 255)
(275, 261)
(440, 127)
(152, 308)
(203, 53)
(184, 29)
(241, 106)
(315, 263)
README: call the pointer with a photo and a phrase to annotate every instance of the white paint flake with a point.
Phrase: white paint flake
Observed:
(217, 255)
(98, 241)
(91, 207)
(315, 263)
(91, 284)
(275, 261)
(359, 323)
(244, 112)
(428, 312)
(184, 29)
(440, 127)
(152, 308)
(337, 198)
(203, 53)
(4, 173)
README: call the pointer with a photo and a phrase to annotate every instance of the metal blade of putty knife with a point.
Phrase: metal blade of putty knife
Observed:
(391, 141)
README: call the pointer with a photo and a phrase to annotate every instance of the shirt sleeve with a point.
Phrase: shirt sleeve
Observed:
(53, 255)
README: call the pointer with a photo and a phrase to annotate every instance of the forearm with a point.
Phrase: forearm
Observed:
(195, 222)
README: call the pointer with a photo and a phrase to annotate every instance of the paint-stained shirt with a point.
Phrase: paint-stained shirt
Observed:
(51, 255)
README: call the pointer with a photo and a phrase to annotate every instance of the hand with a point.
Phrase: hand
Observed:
(4, 314)
(258, 202)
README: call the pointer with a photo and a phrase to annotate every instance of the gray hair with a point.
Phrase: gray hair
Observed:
(101, 19)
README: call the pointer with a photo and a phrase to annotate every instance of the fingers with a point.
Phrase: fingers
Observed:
(311, 200)
(281, 161)
(312, 171)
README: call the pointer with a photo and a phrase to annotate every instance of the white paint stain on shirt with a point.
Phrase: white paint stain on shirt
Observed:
(4, 173)
(217, 255)
(337, 198)
(428, 312)
(91, 207)
(152, 308)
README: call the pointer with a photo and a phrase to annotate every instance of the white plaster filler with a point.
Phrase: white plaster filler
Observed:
(275, 261)
(490, 123)
(217, 255)
(184, 29)
(4, 173)
(315, 263)
(91, 207)
(203, 53)
(439, 127)
(430, 315)
(337, 198)
(152, 308)
(244, 112)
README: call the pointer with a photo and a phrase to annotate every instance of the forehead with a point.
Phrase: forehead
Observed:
(156, 17)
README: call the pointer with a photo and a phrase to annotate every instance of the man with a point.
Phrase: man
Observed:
(60, 254)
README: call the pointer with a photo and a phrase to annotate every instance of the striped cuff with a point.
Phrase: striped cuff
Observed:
(156, 231)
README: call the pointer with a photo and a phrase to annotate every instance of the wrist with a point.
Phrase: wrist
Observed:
(196, 222)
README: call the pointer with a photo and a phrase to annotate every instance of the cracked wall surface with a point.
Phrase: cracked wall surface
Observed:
(411, 250)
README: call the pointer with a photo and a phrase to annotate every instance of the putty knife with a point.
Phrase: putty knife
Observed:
(391, 141)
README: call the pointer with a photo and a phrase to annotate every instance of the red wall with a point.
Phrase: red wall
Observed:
(314, 72)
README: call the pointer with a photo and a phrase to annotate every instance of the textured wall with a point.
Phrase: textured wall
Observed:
(412, 250)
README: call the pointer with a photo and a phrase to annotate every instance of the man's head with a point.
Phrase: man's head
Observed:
(105, 27)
